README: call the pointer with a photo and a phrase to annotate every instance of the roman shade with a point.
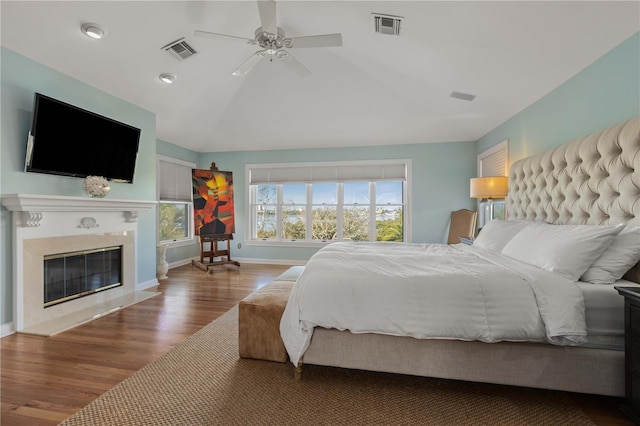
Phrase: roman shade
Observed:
(323, 172)
(175, 181)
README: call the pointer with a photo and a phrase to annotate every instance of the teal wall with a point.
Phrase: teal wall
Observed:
(20, 78)
(174, 151)
(603, 94)
(441, 173)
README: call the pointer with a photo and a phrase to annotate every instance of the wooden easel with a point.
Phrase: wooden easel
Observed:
(214, 252)
(223, 255)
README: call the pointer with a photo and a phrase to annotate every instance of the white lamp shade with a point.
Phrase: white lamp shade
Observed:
(489, 187)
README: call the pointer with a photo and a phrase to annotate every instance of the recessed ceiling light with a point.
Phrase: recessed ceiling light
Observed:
(93, 31)
(167, 78)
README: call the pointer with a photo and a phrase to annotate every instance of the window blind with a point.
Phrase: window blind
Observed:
(327, 173)
(175, 181)
(494, 164)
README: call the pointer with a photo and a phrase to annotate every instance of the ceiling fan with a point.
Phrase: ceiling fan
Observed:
(273, 41)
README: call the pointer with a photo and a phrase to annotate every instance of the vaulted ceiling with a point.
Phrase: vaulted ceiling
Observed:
(376, 89)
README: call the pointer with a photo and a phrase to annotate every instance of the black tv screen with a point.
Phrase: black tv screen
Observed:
(70, 141)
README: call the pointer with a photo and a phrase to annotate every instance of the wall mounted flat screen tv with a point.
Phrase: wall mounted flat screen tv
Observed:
(71, 141)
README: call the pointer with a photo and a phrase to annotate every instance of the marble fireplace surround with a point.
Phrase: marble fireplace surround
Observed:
(44, 225)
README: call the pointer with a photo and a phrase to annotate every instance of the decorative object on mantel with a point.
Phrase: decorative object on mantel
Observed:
(88, 223)
(95, 186)
(162, 266)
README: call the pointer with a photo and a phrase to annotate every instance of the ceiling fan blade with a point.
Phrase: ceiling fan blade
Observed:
(248, 65)
(324, 40)
(218, 35)
(267, 9)
(294, 65)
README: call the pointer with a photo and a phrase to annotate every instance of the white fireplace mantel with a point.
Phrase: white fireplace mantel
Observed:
(33, 206)
(47, 224)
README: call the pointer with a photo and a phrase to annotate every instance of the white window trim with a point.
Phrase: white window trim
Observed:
(318, 244)
(182, 242)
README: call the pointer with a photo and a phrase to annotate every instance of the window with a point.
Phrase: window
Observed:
(175, 206)
(493, 162)
(315, 203)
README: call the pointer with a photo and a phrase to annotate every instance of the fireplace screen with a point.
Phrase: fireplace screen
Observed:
(72, 275)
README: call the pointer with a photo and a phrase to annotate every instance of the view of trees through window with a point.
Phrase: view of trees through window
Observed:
(355, 210)
(173, 225)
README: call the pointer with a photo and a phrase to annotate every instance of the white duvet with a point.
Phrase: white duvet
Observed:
(430, 291)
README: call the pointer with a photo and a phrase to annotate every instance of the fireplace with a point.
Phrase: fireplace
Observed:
(68, 276)
(85, 246)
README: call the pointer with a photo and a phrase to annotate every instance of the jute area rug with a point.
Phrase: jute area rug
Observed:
(204, 382)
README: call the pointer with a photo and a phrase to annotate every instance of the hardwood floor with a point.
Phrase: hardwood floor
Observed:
(46, 379)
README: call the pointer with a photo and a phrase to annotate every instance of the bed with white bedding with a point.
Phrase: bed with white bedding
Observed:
(431, 291)
(531, 303)
(604, 312)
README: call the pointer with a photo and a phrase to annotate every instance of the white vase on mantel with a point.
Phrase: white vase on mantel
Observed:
(162, 266)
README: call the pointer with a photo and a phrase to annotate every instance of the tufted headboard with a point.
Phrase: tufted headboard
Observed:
(594, 180)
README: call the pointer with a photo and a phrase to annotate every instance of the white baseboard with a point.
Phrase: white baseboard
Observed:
(181, 262)
(146, 285)
(7, 329)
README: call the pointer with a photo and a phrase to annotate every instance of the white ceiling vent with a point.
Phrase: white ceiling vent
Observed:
(462, 96)
(387, 24)
(179, 50)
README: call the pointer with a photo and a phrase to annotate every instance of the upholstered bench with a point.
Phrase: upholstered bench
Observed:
(259, 317)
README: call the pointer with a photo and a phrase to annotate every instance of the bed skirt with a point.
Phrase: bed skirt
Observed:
(572, 369)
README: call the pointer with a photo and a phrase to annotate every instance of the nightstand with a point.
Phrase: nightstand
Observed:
(631, 351)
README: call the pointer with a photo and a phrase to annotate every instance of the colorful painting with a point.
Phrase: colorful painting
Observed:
(213, 202)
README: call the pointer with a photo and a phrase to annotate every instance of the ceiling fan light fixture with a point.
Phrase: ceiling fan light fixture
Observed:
(273, 40)
(167, 78)
(94, 31)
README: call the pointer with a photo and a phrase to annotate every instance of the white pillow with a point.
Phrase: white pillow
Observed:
(564, 249)
(617, 259)
(497, 233)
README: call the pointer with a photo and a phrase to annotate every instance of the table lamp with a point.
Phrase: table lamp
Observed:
(489, 187)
